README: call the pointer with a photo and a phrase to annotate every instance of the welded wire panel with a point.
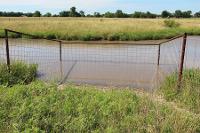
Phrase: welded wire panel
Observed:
(142, 54)
(112, 65)
(44, 53)
(2, 51)
(192, 55)
(170, 56)
(33, 51)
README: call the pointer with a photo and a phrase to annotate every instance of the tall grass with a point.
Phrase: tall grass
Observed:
(88, 29)
(20, 73)
(189, 94)
(39, 107)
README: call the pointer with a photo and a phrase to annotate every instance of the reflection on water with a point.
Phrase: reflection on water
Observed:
(112, 65)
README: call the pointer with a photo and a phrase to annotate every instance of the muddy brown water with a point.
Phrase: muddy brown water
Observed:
(124, 65)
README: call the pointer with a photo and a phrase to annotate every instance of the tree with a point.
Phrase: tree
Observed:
(136, 15)
(29, 14)
(37, 14)
(187, 14)
(166, 14)
(89, 15)
(178, 14)
(64, 14)
(97, 14)
(197, 14)
(47, 14)
(74, 13)
(150, 15)
(109, 15)
(119, 14)
(82, 13)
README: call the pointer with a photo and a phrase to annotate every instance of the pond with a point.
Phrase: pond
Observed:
(121, 65)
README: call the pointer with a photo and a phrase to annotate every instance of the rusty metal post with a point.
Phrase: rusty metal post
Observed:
(158, 63)
(180, 72)
(7, 50)
(60, 44)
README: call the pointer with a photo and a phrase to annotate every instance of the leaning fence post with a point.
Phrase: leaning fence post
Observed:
(180, 72)
(7, 49)
(60, 44)
(158, 63)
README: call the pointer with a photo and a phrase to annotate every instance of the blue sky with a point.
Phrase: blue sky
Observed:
(90, 6)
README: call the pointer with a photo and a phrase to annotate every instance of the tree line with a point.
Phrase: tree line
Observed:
(118, 14)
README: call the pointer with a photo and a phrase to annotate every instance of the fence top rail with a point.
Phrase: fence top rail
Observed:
(26, 34)
(172, 39)
(106, 42)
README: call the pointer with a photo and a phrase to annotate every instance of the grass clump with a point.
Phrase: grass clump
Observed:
(189, 94)
(171, 23)
(39, 107)
(20, 73)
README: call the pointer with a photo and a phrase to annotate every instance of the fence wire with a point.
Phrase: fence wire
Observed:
(2, 51)
(192, 55)
(101, 64)
(44, 53)
(170, 56)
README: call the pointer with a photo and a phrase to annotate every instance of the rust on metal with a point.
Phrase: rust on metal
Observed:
(60, 47)
(158, 55)
(7, 50)
(180, 72)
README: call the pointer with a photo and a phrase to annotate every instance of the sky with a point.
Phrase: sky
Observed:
(90, 6)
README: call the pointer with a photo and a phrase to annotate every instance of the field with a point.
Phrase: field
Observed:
(88, 29)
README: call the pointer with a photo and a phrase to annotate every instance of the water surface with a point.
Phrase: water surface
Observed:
(126, 65)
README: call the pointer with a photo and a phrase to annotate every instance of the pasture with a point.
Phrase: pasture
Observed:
(92, 29)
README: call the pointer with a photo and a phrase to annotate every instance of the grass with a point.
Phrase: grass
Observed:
(39, 107)
(88, 29)
(27, 106)
(189, 95)
(20, 73)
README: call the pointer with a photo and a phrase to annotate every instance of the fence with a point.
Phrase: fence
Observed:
(132, 65)
(33, 51)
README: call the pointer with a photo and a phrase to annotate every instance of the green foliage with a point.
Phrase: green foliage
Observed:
(171, 23)
(39, 107)
(20, 73)
(37, 14)
(183, 14)
(188, 95)
(166, 14)
(197, 14)
(48, 14)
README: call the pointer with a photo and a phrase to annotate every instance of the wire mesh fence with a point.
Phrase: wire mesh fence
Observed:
(104, 64)
(44, 53)
(192, 55)
(170, 56)
(138, 66)
(2, 51)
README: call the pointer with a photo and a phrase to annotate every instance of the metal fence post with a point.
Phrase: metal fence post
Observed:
(7, 49)
(60, 44)
(158, 55)
(180, 72)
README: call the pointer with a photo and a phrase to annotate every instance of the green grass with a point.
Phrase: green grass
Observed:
(189, 94)
(92, 29)
(20, 73)
(39, 107)
(27, 106)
